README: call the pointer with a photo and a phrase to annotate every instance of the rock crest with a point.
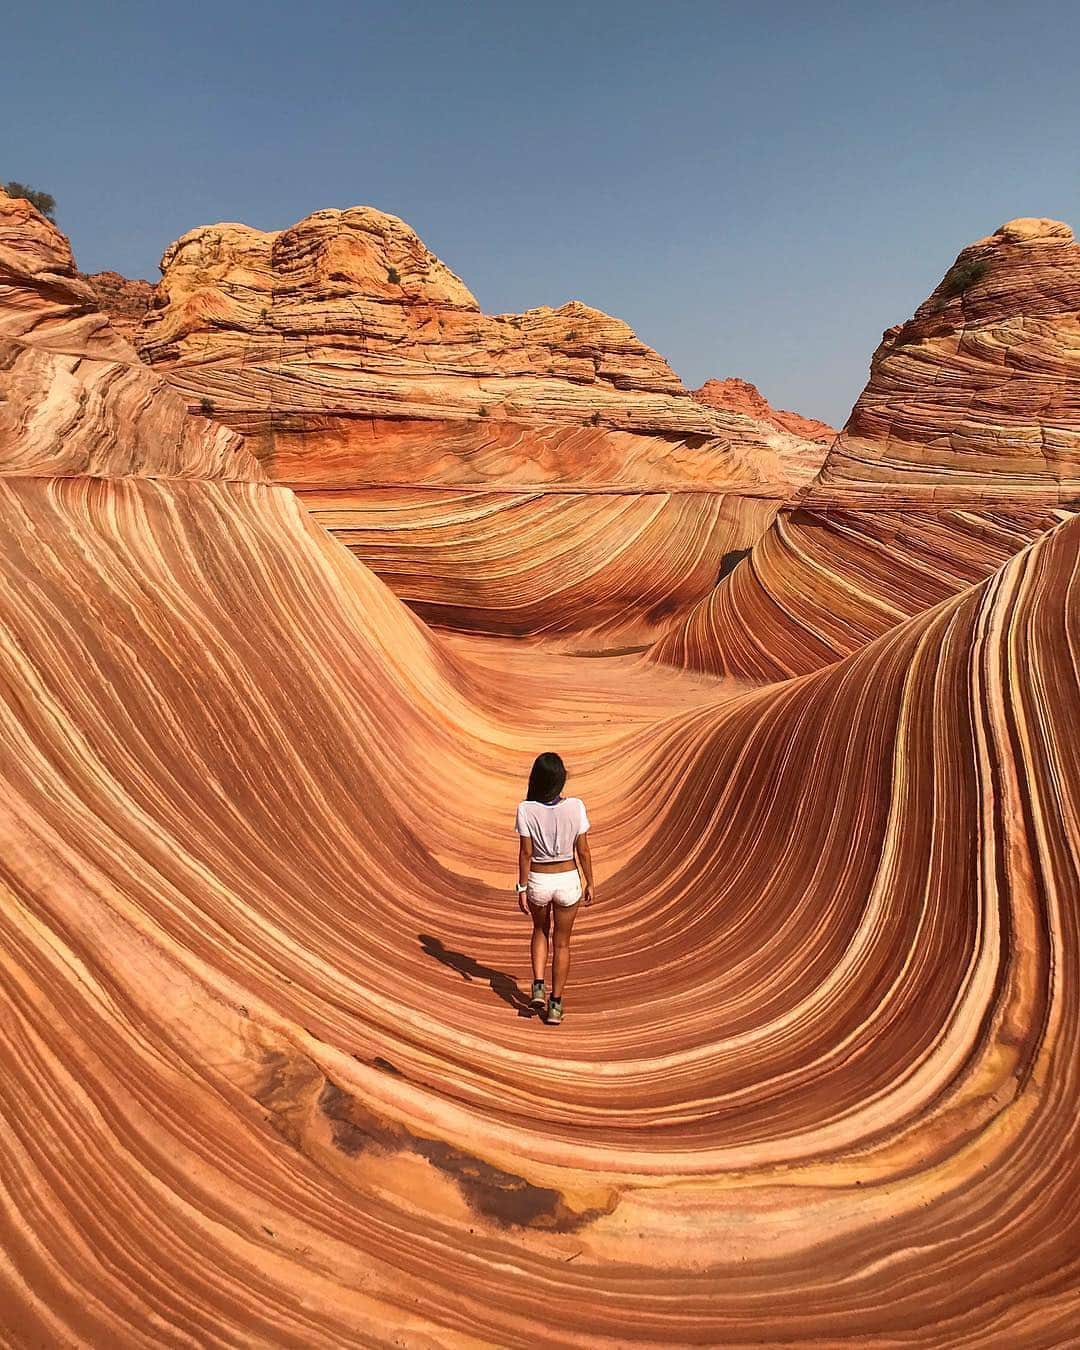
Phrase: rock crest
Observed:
(363, 373)
(962, 449)
(740, 396)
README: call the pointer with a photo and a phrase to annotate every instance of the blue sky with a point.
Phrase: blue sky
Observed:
(757, 188)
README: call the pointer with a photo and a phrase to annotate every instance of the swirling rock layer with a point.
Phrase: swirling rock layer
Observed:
(963, 447)
(542, 563)
(353, 360)
(818, 1077)
(266, 1070)
(74, 398)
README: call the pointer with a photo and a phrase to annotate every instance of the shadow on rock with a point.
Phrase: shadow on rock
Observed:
(471, 969)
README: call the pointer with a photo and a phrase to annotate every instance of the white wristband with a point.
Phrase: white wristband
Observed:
(520, 888)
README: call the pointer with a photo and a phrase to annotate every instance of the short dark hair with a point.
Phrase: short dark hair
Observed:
(546, 778)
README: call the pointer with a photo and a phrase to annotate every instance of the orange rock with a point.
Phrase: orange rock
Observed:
(74, 398)
(347, 314)
(264, 1076)
(362, 372)
(123, 300)
(741, 396)
(963, 447)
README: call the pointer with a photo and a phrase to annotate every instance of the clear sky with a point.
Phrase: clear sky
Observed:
(757, 188)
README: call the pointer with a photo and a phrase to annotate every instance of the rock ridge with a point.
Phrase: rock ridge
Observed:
(962, 449)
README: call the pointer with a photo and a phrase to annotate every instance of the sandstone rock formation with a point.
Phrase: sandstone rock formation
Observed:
(363, 374)
(263, 1077)
(806, 442)
(963, 447)
(74, 398)
(356, 292)
(740, 396)
(125, 301)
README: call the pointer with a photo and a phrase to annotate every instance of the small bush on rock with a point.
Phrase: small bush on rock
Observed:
(964, 275)
(393, 276)
(44, 202)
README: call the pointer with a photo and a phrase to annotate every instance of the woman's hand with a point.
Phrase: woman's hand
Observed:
(590, 894)
(522, 904)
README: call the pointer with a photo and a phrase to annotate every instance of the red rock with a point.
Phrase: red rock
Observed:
(263, 1075)
(740, 396)
(123, 300)
(74, 398)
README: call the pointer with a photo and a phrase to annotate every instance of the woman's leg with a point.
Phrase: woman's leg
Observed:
(564, 923)
(541, 917)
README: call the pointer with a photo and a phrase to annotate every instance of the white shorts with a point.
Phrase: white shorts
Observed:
(560, 888)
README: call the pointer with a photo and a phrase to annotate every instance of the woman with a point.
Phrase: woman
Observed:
(552, 829)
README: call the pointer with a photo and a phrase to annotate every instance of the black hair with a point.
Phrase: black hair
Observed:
(546, 778)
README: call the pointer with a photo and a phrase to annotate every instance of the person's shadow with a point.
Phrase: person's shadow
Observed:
(470, 969)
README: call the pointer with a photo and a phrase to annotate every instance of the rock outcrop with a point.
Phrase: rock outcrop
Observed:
(805, 442)
(349, 314)
(267, 1074)
(740, 396)
(125, 301)
(363, 374)
(74, 398)
(963, 448)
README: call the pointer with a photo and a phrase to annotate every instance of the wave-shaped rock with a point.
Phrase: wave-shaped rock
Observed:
(262, 1073)
(354, 361)
(828, 1098)
(963, 447)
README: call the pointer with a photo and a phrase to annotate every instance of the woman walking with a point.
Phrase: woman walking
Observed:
(553, 845)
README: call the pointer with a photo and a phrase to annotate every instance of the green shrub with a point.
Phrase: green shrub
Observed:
(961, 276)
(393, 276)
(572, 335)
(206, 407)
(44, 202)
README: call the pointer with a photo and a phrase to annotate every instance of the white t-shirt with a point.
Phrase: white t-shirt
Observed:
(553, 829)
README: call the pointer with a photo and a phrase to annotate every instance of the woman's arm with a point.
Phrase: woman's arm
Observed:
(585, 863)
(524, 861)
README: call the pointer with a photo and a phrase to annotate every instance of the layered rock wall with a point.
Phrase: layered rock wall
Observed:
(267, 1070)
(963, 447)
(740, 396)
(363, 373)
(125, 301)
(74, 398)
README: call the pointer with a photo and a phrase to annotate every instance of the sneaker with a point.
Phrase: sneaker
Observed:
(554, 1011)
(539, 998)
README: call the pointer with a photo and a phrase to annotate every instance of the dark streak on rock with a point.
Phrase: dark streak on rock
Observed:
(503, 1197)
(348, 1135)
